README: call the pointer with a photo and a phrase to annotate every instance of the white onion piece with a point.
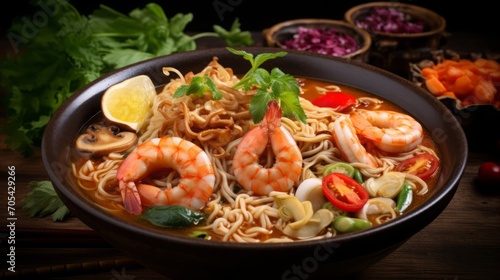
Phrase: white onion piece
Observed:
(376, 206)
(310, 190)
(387, 185)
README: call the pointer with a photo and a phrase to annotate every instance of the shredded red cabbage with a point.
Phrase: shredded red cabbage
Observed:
(327, 41)
(390, 20)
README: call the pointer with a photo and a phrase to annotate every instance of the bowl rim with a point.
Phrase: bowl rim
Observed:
(349, 16)
(269, 33)
(67, 195)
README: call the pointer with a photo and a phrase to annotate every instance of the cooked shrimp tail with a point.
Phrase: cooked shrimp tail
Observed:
(288, 163)
(130, 197)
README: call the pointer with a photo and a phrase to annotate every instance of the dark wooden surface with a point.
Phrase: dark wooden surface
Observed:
(462, 243)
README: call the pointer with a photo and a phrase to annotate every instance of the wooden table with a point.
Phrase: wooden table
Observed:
(462, 243)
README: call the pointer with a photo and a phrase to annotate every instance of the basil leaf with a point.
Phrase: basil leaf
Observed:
(174, 216)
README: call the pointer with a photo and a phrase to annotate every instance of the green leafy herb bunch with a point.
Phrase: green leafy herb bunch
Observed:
(54, 58)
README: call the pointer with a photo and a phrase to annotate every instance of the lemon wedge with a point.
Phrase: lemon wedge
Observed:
(129, 102)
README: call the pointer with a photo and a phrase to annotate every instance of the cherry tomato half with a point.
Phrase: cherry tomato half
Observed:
(422, 165)
(489, 173)
(344, 192)
(336, 100)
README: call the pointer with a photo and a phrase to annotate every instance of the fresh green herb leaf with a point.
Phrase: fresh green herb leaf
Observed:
(258, 105)
(146, 33)
(72, 50)
(61, 58)
(42, 200)
(142, 34)
(199, 85)
(259, 59)
(234, 37)
(172, 216)
(259, 77)
(290, 104)
(276, 85)
(123, 57)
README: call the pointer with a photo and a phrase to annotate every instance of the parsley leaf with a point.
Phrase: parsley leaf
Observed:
(72, 50)
(275, 85)
(147, 33)
(235, 36)
(43, 201)
(61, 58)
(142, 34)
(199, 85)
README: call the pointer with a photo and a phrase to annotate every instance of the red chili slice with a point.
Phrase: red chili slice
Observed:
(336, 100)
(422, 165)
(344, 192)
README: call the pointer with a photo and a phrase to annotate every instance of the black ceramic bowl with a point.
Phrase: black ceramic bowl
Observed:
(186, 258)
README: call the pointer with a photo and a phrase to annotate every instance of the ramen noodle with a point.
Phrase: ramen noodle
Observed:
(208, 134)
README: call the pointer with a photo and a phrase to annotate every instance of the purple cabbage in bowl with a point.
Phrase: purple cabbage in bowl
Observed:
(390, 20)
(390, 50)
(322, 40)
(322, 36)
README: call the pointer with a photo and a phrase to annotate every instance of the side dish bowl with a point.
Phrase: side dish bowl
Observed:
(278, 35)
(188, 258)
(393, 50)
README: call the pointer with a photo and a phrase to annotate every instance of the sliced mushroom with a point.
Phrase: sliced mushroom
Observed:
(320, 220)
(387, 185)
(301, 221)
(101, 140)
(291, 209)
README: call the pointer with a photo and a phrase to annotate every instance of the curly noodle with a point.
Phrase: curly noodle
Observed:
(217, 126)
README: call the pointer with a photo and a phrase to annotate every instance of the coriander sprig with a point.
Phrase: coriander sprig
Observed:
(73, 49)
(274, 85)
(199, 85)
(147, 33)
(42, 201)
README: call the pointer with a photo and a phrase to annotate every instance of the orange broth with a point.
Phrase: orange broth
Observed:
(309, 92)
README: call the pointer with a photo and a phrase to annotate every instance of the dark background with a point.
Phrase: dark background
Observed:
(476, 16)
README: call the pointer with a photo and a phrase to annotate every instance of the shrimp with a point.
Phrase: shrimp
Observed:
(190, 161)
(346, 139)
(390, 131)
(288, 164)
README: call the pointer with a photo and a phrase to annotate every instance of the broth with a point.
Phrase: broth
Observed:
(310, 92)
(104, 191)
